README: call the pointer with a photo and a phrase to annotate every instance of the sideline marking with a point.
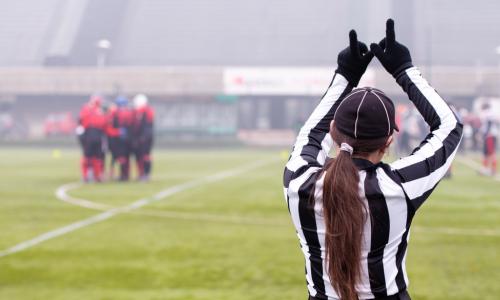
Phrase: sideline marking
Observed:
(133, 206)
(235, 219)
(182, 187)
(475, 166)
(248, 221)
(239, 220)
(62, 194)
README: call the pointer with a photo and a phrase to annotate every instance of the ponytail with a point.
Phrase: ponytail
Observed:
(345, 216)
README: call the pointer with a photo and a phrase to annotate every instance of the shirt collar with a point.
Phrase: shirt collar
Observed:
(363, 164)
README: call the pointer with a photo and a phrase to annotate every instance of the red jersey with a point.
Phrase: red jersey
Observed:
(92, 117)
(145, 113)
(119, 118)
(111, 130)
(143, 121)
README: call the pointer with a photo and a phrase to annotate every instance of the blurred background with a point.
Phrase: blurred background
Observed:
(223, 71)
(231, 83)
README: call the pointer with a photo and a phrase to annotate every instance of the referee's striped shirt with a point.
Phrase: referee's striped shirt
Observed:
(391, 192)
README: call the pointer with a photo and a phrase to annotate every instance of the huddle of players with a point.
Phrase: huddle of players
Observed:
(122, 129)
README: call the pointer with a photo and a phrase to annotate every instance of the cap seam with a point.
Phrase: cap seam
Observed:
(343, 100)
(386, 113)
(357, 115)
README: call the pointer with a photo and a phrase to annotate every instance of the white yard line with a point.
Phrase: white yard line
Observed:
(207, 217)
(474, 165)
(62, 194)
(133, 206)
(254, 221)
(110, 211)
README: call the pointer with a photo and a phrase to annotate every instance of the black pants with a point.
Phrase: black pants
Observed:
(113, 144)
(399, 296)
(142, 153)
(91, 141)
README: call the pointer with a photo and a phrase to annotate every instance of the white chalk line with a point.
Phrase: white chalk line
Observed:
(475, 166)
(256, 221)
(204, 217)
(62, 194)
(133, 206)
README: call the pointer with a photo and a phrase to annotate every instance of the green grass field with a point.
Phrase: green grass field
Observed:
(230, 238)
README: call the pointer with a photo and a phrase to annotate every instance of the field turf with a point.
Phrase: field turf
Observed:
(229, 237)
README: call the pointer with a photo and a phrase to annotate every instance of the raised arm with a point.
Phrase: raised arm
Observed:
(313, 142)
(420, 172)
(426, 166)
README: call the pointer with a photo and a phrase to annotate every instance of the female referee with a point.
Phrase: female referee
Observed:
(353, 213)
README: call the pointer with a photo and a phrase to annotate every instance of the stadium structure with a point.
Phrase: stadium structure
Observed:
(223, 68)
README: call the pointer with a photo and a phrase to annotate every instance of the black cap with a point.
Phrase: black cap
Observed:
(366, 113)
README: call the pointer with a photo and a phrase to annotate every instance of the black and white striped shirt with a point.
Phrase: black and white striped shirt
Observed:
(391, 192)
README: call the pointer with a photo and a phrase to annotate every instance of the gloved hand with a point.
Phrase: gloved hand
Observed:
(123, 133)
(396, 58)
(353, 60)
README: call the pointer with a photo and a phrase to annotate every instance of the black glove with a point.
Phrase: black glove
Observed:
(396, 58)
(353, 60)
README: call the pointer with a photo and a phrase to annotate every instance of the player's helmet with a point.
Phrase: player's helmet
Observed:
(121, 101)
(140, 100)
(95, 100)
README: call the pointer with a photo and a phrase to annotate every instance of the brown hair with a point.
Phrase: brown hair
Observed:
(345, 214)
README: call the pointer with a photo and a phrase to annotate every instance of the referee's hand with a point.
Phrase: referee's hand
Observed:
(353, 60)
(394, 56)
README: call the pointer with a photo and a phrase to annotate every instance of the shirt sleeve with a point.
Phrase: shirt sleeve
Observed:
(421, 171)
(314, 142)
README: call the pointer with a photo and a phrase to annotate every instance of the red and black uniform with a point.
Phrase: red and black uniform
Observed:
(490, 139)
(143, 139)
(490, 131)
(122, 120)
(112, 134)
(93, 120)
(80, 131)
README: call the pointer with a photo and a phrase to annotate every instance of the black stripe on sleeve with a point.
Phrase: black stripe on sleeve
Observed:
(426, 167)
(316, 135)
(422, 104)
(290, 175)
(417, 202)
(425, 141)
(329, 86)
(309, 229)
(287, 177)
(380, 226)
(434, 162)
